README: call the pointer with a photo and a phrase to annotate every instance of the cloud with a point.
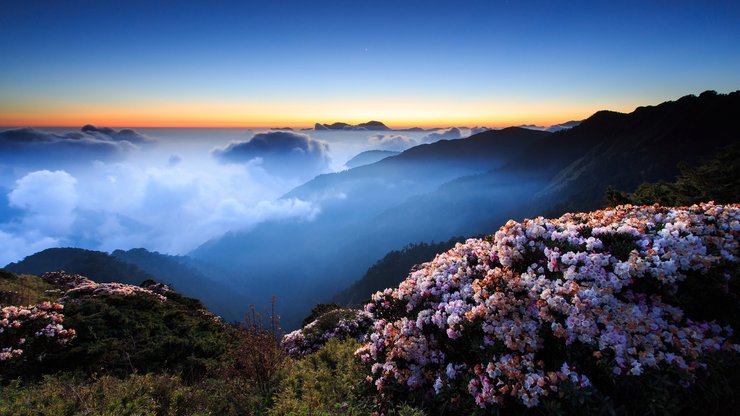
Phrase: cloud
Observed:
(31, 148)
(17, 247)
(230, 212)
(395, 142)
(283, 153)
(449, 134)
(476, 130)
(107, 133)
(48, 199)
(174, 160)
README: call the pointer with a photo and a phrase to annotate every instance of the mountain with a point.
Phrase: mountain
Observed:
(368, 157)
(370, 125)
(350, 201)
(188, 276)
(373, 125)
(563, 126)
(554, 127)
(134, 267)
(99, 266)
(624, 150)
(463, 187)
(391, 270)
(67, 342)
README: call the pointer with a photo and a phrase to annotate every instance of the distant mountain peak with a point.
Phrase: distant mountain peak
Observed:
(372, 125)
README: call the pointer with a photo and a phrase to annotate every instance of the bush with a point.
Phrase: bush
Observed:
(630, 310)
(136, 395)
(24, 289)
(120, 335)
(715, 180)
(336, 323)
(327, 382)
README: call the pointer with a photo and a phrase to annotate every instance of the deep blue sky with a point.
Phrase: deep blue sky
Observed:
(407, 62)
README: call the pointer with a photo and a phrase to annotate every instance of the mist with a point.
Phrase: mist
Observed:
(105, 189)
(275, 212)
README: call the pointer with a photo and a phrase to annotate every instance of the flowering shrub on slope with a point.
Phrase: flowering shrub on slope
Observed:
(80, 286)
(21, 326)
(338, 323)
(544, 305)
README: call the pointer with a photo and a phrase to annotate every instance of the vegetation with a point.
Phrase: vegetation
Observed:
(327, 382)
(153, 351)
(717, 179)
(391, 270)
(23, 289)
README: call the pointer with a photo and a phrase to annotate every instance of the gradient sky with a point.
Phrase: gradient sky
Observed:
(270, 63)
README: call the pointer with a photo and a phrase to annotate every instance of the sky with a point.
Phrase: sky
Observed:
(407, 63)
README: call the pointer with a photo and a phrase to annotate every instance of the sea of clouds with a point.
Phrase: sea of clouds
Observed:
(168, 190)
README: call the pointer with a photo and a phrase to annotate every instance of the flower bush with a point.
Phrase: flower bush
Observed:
(80, 286)
(546, 306)
(335, 324)
(24, 326)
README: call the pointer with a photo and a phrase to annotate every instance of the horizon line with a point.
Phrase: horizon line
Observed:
(284, 126)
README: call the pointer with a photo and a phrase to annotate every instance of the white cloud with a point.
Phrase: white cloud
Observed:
(448, 134)
(283, 153)
(16, 247)
(395, 142)
(49, 200)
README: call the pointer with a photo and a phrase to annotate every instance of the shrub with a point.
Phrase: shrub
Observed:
(136, 395)
(336, 323)
(258, 360)
(586, 312)
(714, 180)
(327, 382)
(24, 289)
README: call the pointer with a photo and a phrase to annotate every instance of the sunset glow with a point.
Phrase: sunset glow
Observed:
(271, 64)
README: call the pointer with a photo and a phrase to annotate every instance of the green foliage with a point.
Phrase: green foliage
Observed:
(120, 335)
(319, 310)
(717, 179)
(325, 383)
(24, 289)
(136, 395)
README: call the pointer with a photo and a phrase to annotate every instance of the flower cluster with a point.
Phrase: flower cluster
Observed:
(339, 323)
(21, 325)
(82, 287)
(495, 315)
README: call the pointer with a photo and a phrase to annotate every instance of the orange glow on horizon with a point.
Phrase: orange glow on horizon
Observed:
(396, 114)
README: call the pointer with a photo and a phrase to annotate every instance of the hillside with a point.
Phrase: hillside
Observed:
(617, 310)
(349, 201)
(368, 157)
(98, 265)
(460, 187)
(134, 267)
(390, 270)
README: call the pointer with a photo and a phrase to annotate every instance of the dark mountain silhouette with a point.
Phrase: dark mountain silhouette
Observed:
(370, 125)
(97, 265)
(624, 150)
(418, 129)
(466, 187)
(368, 157)
(373, 125)
(563, 126)
(133, 267)
(203, 281)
